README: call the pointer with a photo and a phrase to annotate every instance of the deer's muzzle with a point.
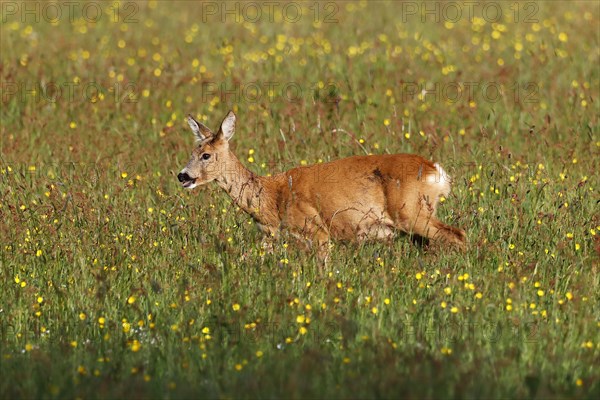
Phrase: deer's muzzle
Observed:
(183, 176)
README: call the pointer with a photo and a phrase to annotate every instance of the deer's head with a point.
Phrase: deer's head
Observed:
(210, 156)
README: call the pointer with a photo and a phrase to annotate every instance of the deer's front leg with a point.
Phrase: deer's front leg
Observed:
(316, 236)
(270, 234)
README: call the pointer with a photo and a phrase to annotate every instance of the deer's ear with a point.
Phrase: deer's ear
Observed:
(228, 126)
(200, 130)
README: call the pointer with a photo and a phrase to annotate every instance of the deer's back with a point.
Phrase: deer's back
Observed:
(347, 192)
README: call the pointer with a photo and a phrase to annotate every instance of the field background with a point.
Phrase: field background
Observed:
(118, 283)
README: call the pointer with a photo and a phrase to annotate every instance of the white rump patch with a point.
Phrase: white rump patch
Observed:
(440, 179)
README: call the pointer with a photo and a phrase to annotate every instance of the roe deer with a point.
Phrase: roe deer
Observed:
(355, 198)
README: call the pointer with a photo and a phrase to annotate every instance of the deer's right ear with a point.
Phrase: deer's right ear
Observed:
(201, 131)
(228, 126)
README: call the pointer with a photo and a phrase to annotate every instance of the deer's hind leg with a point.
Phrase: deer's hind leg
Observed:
(433, 229)
(376, 228)
(421, 220)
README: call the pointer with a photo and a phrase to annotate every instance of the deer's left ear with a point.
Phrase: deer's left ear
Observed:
(228, 126)
(201, 131)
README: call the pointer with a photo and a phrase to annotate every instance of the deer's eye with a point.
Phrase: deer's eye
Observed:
(205, 156)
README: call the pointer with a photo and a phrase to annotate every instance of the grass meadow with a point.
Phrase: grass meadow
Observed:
(117, 283)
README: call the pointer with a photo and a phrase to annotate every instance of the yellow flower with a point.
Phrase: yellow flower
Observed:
(259, 354)
(135, 346)
(563, 37)
(131, 300)
(569, 296)
(82, 316)
(236, 307)
(374, 310)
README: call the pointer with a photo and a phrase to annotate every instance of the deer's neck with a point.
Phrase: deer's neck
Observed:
(248, 190)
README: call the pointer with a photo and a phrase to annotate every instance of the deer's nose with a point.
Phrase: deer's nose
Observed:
(183, 177)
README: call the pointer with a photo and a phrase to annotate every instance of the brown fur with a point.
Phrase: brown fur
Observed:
(355, 198)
